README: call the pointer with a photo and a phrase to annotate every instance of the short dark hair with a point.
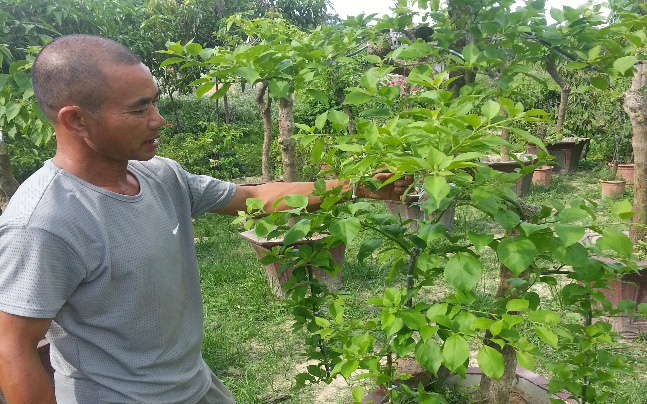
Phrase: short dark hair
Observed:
(68, 71)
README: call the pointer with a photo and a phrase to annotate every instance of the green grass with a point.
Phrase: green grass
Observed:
(248, 338)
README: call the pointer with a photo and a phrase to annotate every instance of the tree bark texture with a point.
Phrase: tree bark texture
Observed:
(565, 88)
(286, 142)
(265, 108)
(635, 105)
(225, 104)
(342, 97)
(491, 391)
(8, 183)
(505, 135)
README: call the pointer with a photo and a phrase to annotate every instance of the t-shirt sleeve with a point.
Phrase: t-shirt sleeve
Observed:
(38, 272)
(206, 193)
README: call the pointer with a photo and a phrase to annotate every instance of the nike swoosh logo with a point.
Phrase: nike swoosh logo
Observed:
(176, 229)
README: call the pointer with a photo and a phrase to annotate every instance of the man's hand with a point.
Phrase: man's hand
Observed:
(390, 192)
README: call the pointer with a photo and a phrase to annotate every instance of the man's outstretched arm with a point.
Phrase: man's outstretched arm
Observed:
(23, 378)
(271, 192)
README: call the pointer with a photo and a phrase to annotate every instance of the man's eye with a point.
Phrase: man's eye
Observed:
(139, 112)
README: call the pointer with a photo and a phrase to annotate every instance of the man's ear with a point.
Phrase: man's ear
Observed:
(72, 118)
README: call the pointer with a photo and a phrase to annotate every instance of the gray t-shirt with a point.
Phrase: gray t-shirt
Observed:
(118, 274)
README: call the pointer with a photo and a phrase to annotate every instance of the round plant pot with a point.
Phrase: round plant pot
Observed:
(613, 189)
(626, 172)
(541, 175)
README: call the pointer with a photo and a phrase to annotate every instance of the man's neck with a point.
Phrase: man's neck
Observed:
(109, 175)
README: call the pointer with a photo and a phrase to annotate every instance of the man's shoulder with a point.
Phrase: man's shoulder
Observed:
(29, 195)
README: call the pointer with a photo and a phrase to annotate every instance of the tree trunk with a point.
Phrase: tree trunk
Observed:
(342, 97)
(635, 105)
(286, 142)
(225, 105)
(505, 135)
(8, 183)
(565, 88)
(265, 107)
(491, 391)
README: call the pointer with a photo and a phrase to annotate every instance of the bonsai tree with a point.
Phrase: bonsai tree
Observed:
(438, 139)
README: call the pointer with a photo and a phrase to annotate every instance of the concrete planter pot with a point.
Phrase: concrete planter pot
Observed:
(527, 387)
(273, 273)
(410, 210)
(613, 189)
(523, 184)
(541, 175)
(568, 153)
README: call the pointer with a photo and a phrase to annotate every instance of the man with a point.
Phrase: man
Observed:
(96, 248)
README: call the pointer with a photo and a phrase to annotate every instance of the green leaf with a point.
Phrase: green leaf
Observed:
(321, 120)
(394, 326)
(193, 49)
(624, 63)
(249, 74)
(480, 241)
(263, 227)
(547, 336)
(491, 362)
(171, 61)
(456, 352)
(279, 89)
(339, 119)
(297, 232)
(490, 109)
(357, 98)
(203, 89)
(463, 271)
(569, 234)
(506, 218)
(573, 65)
(525, 360)
(318, 95)
(317, 150)
(416, 50)
(373, 59)
(358, 394)
(517, 305)
(346, 229)
(471, 54)
(545, 317)
(254, 204)
(12, 111)
(623, 209)
(617, 241)
(348, 368)
(570, 215)
(437, 188)
(529, 138)
(296, 201)
(516, 253)
(600, 83)
(367, 247)
(428, 355)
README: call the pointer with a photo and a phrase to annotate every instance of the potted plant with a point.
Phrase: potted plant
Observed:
(612, 185)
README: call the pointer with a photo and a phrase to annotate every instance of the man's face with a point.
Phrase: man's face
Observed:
(127, 125)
